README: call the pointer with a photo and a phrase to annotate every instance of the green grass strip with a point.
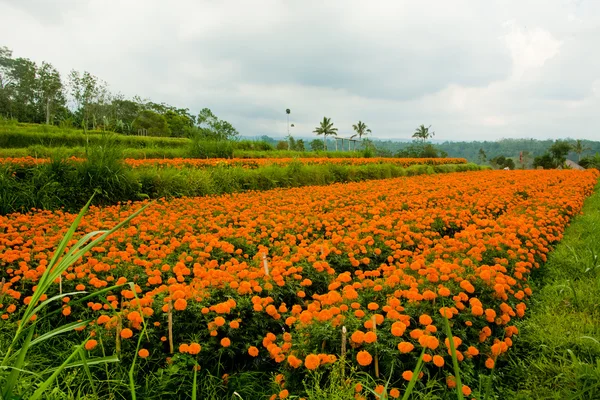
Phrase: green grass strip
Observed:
(557, 353)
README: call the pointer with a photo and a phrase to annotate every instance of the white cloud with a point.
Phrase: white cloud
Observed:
(529, 49)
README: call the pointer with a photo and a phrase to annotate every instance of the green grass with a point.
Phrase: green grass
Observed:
(557, 353)
(16, 136)
(41, 151)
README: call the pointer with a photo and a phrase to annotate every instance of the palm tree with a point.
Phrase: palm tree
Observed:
(361, 130)
(579, 148)
(325, 128)
(423, 133)
(288, 111)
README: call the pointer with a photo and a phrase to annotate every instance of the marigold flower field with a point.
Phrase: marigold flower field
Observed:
(268, 280)
(248, 162)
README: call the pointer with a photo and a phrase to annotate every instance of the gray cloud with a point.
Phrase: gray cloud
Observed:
(472, 69)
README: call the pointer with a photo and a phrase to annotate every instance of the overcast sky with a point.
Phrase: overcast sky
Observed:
(473, 69)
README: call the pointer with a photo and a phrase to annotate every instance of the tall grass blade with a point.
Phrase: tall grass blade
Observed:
(454, 358)
(46, 384)
(89, 361)
(18, 366)
(415, 376)
(87, 371)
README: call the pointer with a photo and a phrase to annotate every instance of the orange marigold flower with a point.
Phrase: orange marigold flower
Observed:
(405, 347)
(294, 361)
(180, 304)
(312, 361)
(358, 337)
(143, 353)
(407, 375)
(398, 328)
(472, 351)
(126, 333)
(194, 348)
(394, 393)
(91, 344)
(253, 351)
(451, 381)
(370, 337)
(425, 319)
(364, 358)
(225, 342)
(438, 361)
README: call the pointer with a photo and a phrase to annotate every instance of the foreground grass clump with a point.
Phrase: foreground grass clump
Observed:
(19, 376)
(557, 355)
(291, 292)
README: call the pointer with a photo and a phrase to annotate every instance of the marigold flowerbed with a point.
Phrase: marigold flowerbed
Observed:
(248, 162)
(267, 280)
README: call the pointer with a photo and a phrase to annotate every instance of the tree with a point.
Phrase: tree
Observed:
(545, 161)
(50, 89)
(5, 67)
(502, 162)
(124, 113)
(179, 125)
(482, 157)
(225, 131)
(325, 128)
(84, 89)
(316, 145)
(299, 146)
(215, 128)
(591, 162)
(423, 133)
(21, 90)
(206, 118)
(559, 151)
(579, 148)
(153, 122)
(361, 130)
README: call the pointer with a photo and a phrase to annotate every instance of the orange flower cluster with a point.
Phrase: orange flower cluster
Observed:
(274, 276)
(261, 162)
(250, 162)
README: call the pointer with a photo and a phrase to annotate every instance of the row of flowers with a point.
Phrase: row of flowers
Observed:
(293, 280)
(247, 162)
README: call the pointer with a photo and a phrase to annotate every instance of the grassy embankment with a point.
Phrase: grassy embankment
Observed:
(22, 140)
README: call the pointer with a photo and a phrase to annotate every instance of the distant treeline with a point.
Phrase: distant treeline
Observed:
(504, 147)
